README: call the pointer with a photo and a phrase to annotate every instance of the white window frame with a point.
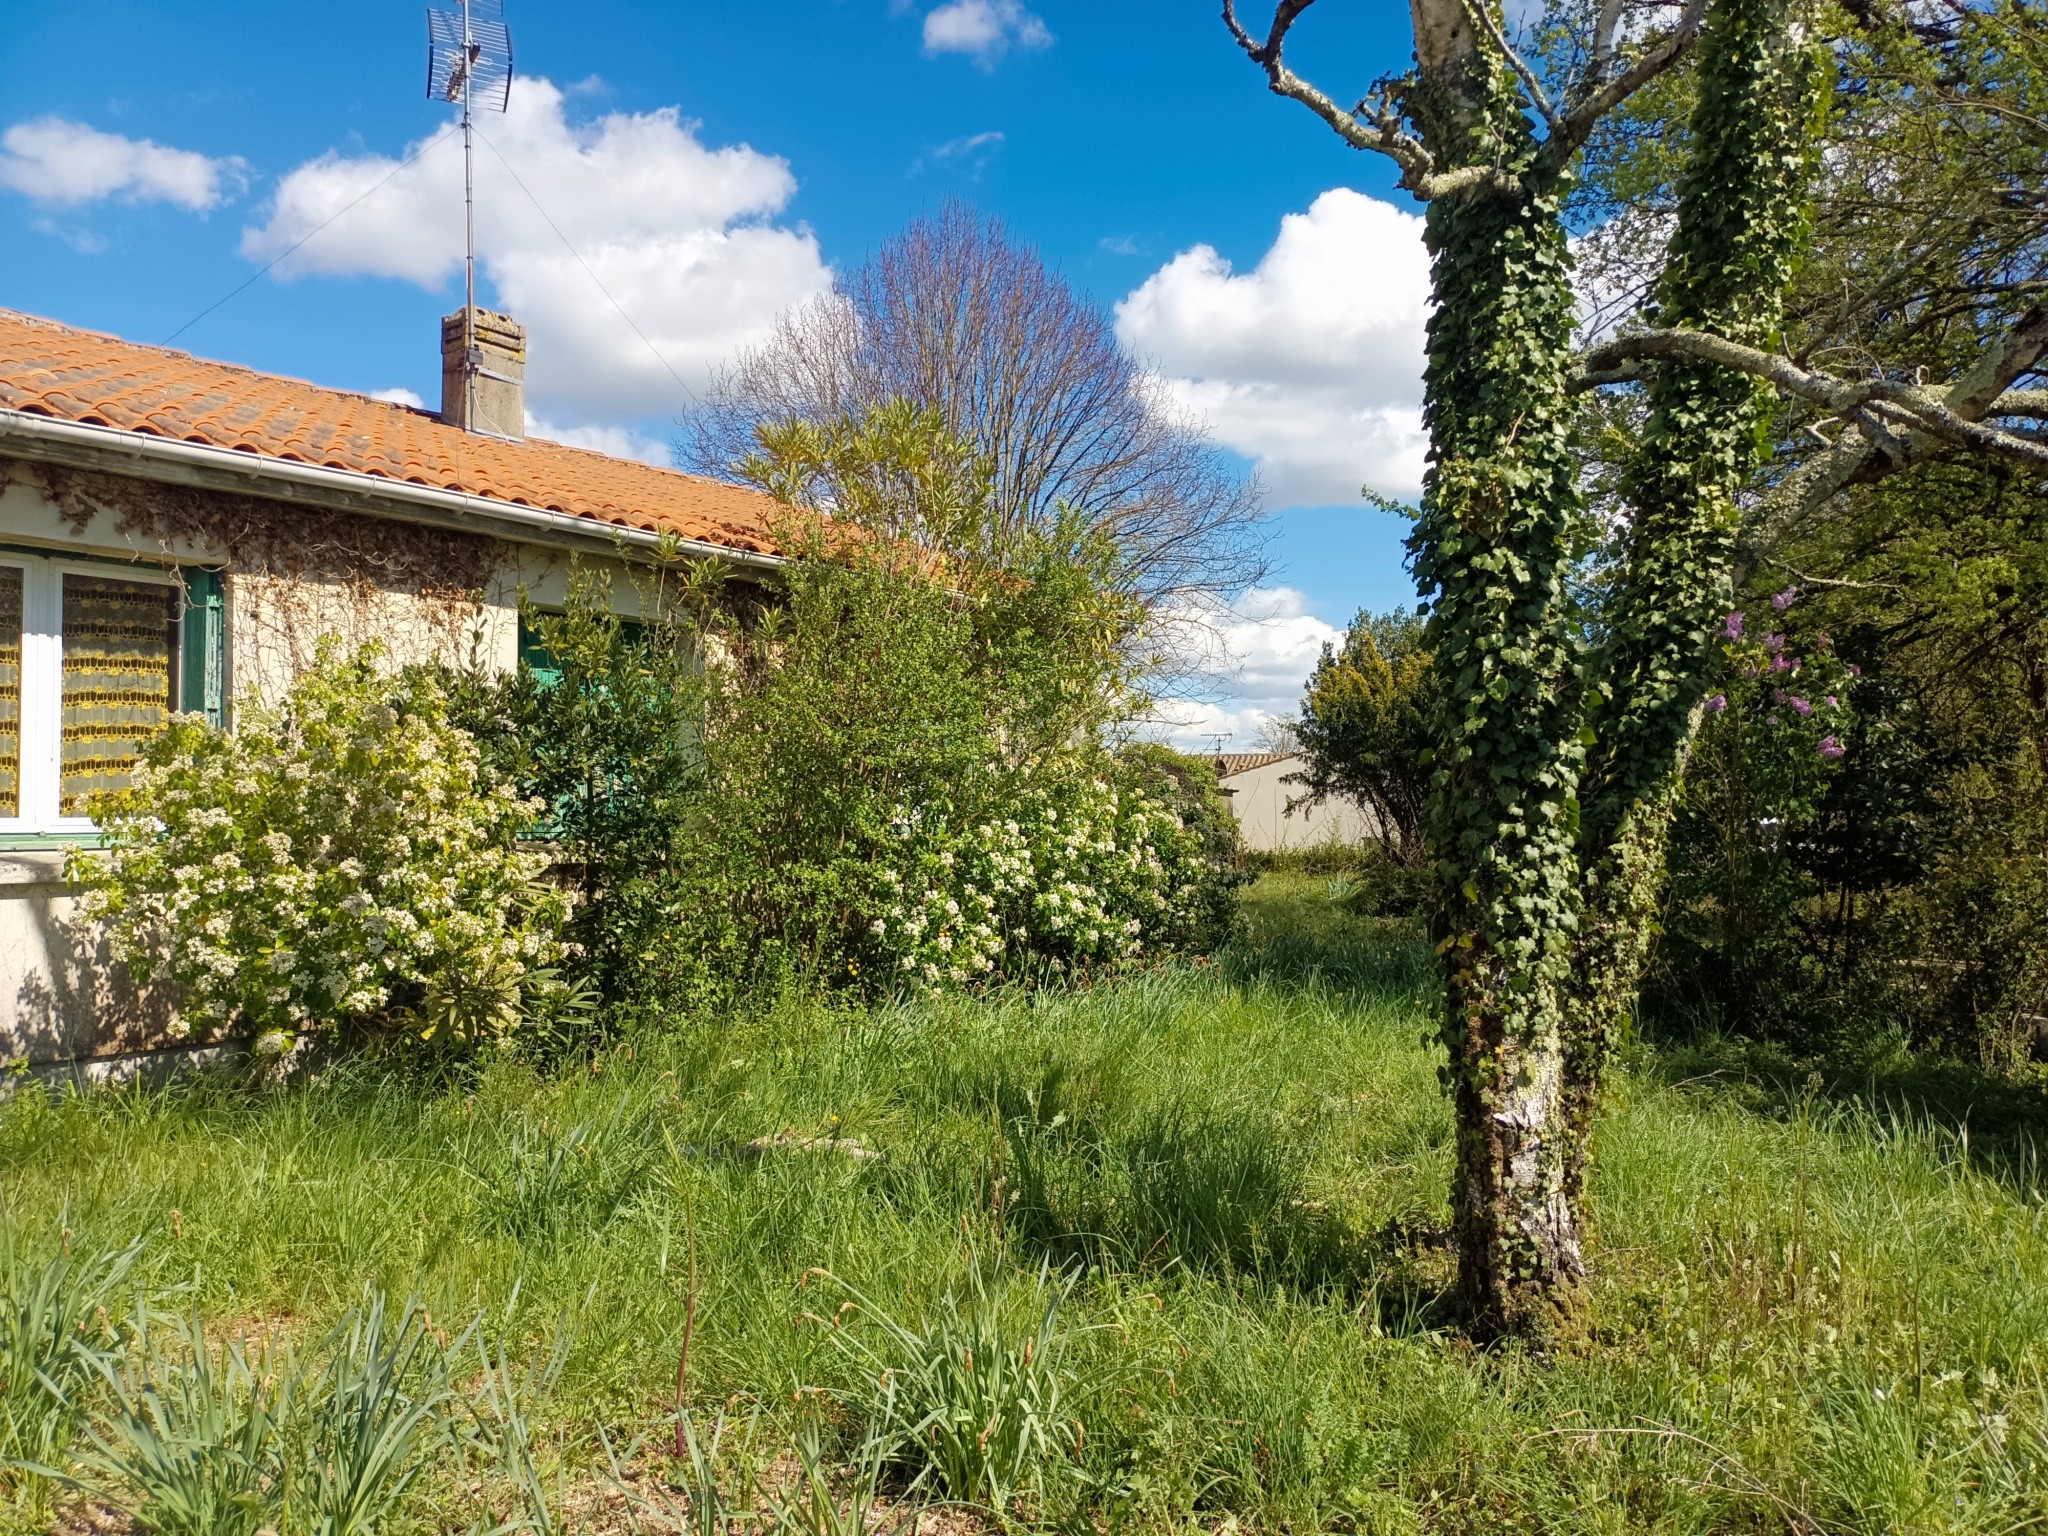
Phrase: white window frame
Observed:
(40, 769)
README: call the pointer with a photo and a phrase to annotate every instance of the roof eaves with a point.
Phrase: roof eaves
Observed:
(44, 438)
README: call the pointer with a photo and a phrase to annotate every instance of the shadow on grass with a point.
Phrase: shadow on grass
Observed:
(1298, 935)
(1997, 1122)
(1199, 1185)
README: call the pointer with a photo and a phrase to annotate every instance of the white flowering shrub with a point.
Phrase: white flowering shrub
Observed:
(1072, 861)
(340, 859)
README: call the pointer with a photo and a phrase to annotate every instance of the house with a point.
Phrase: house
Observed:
(177, 533)
(1268, 798)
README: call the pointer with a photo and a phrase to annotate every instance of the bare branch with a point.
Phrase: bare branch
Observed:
(959, 316)
(1605, 25)
(1602, 95)
(1859, 457)
(1482, 14)
(1874, 405)
(1994, 373)
(2021, 402)
(1378, 130)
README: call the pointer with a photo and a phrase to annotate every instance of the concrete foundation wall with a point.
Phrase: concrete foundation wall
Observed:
(62, 996)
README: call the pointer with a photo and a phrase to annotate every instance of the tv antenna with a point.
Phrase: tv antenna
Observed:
(469, 60)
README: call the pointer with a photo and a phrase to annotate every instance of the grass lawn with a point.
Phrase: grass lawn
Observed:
(1820, 1302)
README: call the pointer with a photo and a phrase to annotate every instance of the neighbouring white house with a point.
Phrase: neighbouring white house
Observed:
(1266, 794)
(176, 534)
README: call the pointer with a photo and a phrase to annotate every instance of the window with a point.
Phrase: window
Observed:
(93, 659)
(543, 663)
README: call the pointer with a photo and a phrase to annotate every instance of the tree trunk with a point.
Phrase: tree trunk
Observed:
(1740, 225)
(1493, 544)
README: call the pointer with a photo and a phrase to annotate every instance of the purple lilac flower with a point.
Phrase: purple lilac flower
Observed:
(1770, 719)
(1854, 670)
(1717, 703)
(1800, 707)
(1782, 663)
(1785, 599)
(1829, 747)
(1774, 643)
(1833, 702)
(1732, 630)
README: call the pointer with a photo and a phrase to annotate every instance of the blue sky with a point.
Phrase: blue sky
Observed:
(714, 162)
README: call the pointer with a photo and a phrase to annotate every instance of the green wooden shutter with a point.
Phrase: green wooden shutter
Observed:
(203, 688)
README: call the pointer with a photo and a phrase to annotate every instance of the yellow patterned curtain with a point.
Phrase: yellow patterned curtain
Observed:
(10, 690)
(120, 668)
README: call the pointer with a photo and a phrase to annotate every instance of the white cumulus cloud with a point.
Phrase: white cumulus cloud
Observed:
(56, 161)
(1310, 363)
(1255, 657)
(619, 442)
(677, 232)
(984, 30)
(398, 394)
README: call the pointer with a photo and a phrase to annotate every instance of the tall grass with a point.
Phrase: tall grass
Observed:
(194, 1436)
(975, 1402)
(60, 1312)
(1821, 1302)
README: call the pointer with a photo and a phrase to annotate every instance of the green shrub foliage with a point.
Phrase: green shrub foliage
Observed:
(888, 771)
(1364, 726)
(341, 858)
(608, 740)
(1774, 735)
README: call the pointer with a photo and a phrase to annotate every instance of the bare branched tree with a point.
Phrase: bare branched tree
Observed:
(956, 315)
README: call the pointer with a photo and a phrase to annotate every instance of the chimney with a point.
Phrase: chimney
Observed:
(483, 386)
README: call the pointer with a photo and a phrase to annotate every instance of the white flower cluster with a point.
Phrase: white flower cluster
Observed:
(1073, 870)
(323, 861)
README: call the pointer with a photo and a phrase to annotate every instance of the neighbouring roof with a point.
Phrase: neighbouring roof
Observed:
(1230, 764)
(48, 369)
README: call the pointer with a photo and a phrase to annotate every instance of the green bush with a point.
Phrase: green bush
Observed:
(1751, 824)
(339, 858)
(608, 739)
(1365, 726)
(890, 773)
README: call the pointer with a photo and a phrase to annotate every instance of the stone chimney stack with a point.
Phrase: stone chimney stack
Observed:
(483, 387)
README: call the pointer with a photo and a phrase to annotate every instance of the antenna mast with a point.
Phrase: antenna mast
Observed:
(469, 51)
(469, 60)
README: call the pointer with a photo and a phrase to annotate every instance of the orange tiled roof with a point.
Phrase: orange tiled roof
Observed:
(1230, 764)
(49, 369)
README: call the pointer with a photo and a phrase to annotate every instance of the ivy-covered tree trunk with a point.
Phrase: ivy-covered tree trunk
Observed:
(1493, 548)
(1527, 1032)
(1740, 223)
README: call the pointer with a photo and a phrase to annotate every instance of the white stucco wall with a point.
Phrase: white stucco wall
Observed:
(1259, 797)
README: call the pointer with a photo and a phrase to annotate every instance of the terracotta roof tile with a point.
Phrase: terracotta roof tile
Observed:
(1230, 764)
(49, 369)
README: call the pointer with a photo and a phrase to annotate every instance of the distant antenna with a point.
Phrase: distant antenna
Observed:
(469, 60)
